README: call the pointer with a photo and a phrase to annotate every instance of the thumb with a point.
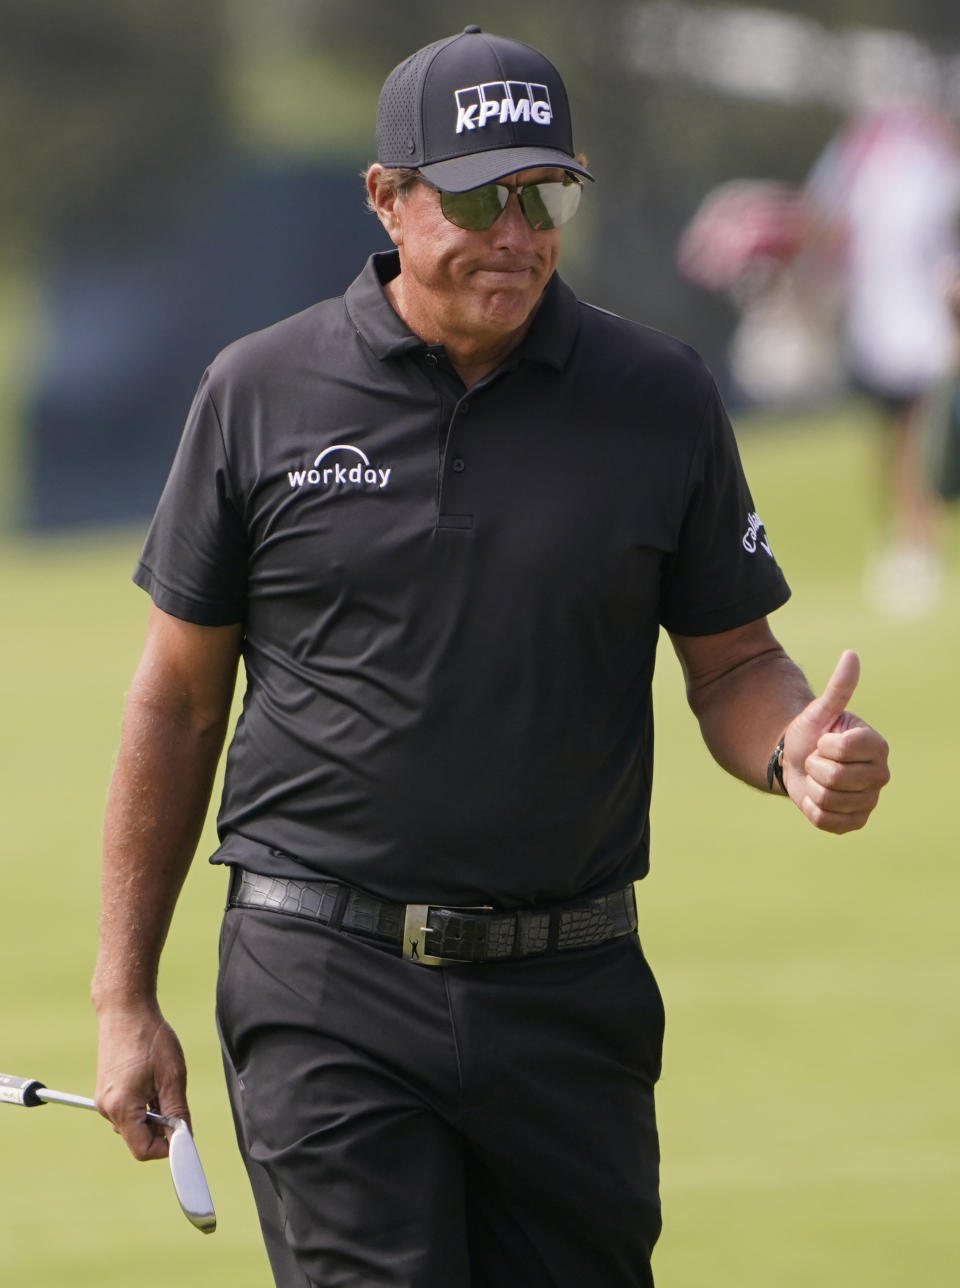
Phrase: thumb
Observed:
(821, 713)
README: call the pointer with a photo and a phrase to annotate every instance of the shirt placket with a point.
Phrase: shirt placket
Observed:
(454, 500)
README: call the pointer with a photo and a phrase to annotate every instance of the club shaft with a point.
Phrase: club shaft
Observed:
(84, 1102)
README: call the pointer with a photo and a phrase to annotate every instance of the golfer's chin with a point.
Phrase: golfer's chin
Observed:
(504, 302)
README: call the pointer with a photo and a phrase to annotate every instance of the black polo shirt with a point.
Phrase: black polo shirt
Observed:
(451, 599)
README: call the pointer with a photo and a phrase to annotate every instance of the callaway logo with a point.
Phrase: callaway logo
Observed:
(502, 101)
(335, 468)
(755, 536)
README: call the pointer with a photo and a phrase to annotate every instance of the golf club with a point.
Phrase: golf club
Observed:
(185, 1167)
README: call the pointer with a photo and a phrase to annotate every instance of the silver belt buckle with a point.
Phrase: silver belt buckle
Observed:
(416, 934)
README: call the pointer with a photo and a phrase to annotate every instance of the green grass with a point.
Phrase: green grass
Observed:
(808, 1104)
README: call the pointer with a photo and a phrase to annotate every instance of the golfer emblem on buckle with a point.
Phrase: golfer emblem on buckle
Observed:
(415, 932)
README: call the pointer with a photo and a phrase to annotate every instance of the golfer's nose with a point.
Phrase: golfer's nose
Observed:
(512, 229)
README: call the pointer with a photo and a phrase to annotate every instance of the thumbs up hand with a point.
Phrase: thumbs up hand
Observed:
(834, 764)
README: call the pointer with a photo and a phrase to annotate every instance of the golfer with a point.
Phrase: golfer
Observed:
(442, 520)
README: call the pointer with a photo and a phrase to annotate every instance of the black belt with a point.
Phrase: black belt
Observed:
(435, 936)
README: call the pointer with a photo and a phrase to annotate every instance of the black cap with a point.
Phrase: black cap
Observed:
(473, 108)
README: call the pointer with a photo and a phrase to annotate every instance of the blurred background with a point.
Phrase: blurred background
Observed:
(178, 174)
(175, 175)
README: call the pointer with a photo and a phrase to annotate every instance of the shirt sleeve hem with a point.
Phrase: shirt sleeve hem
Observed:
(731, 616)
(201, 612)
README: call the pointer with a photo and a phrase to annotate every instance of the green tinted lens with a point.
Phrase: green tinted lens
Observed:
(476, 209)
(548, 205)
(544, 205)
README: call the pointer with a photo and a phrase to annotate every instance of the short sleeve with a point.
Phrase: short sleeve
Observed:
(194, 560)
(723, 573)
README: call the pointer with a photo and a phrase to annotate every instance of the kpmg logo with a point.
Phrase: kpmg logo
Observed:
(342, 466)
(502, 101)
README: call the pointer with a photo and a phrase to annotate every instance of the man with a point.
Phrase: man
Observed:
(884, 207)
(442, 520)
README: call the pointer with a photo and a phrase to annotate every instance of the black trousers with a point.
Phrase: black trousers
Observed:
(479, 1126)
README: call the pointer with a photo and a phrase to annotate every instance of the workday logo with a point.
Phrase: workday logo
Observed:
(755, 535)
(341, 466)
(502, 101)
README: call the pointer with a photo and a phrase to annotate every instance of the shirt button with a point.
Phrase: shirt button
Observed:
(459, 465)
(464, 408)
(432, 360)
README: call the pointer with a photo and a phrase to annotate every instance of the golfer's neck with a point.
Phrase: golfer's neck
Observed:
(477, 332)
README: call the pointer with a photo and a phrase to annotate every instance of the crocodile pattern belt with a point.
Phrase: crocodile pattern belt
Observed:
(437, 936)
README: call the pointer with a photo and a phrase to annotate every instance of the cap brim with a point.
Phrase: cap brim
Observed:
(462, 173)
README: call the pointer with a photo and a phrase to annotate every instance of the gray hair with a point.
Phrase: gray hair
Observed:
(396, 179)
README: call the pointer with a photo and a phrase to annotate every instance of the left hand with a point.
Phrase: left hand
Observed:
(834, 763)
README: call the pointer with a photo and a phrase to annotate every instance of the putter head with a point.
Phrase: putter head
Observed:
(189, 1180)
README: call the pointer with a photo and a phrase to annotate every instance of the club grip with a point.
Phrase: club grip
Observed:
(20, 1091)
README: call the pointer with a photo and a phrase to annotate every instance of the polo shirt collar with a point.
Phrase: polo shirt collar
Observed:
(550, 339)
(554, 329)
(372, 313)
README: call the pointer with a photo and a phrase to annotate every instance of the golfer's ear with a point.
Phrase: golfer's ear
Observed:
(386, 203)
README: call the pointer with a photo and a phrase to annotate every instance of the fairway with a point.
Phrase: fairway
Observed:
(808, 1106)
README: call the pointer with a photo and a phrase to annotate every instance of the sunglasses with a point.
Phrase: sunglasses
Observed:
(544, 205)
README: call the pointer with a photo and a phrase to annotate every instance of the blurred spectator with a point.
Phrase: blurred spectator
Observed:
(846, 280)
(885, 197)
(751, 239)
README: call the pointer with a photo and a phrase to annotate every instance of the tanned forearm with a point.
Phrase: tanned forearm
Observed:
(743, 710)
(155, 812)
(744, 691)
(173, 730)
(747, 693)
